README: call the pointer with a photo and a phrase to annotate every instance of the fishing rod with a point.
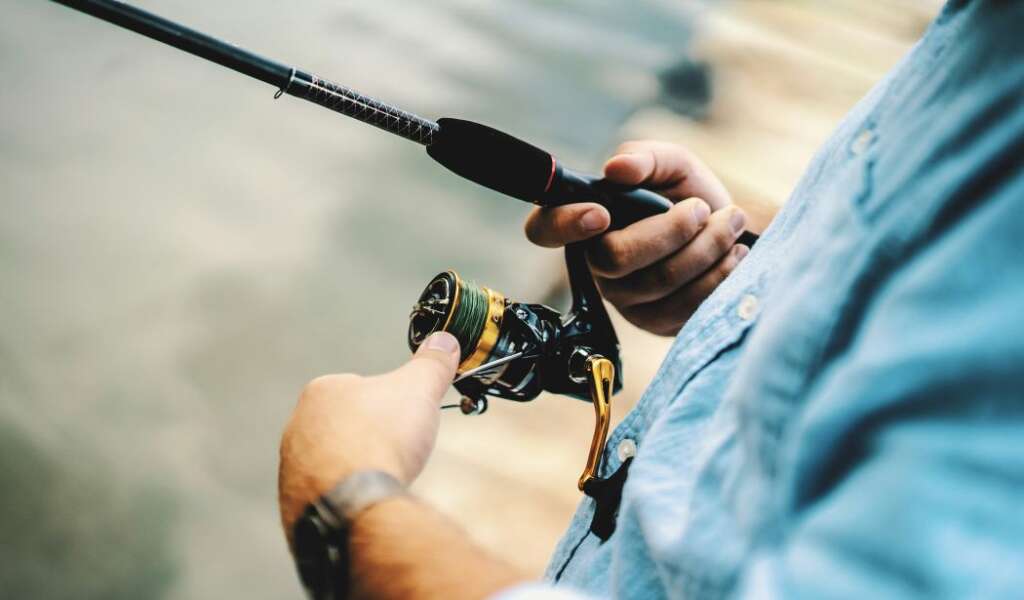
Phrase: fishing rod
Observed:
(479, 153)
(510, 350)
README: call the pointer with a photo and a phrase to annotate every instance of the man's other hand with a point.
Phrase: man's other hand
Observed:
(657, 271)
(345, 423)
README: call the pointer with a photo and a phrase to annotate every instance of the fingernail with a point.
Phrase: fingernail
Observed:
(741, 252)
(701, 211)
(443, 341)
(592, 220)
(737, 220)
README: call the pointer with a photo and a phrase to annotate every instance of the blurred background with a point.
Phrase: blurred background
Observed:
(179, 253)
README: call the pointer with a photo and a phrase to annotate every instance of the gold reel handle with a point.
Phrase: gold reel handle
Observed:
(600, 376)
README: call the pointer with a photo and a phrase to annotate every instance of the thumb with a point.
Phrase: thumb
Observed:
(432, 368)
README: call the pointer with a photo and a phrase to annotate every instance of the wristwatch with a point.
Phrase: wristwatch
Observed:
(321, 533)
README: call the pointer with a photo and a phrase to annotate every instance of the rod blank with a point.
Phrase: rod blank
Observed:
(183, 38)
(288, 79)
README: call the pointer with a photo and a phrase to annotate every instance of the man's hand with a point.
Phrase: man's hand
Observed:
(399, 548)
(345, 423)
(656, 272)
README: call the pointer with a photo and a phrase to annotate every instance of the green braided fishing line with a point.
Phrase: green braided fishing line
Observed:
(468, 321)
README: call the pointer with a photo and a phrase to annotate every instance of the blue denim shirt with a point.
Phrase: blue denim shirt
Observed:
(844, 416)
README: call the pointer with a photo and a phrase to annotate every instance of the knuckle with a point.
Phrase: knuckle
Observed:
(326, 385)
(549, 228)
(707, 284)
(613, 256)
(727, 265)
(661, 277)
(684, 222)
(565, 225)
(712, 280)
(722, 237)
(534, 227)
(679, 149)
(431, 367)
(669, 150)
(631, 146)
(662, 147)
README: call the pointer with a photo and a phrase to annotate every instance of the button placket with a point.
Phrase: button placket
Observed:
(862, 142)
(626, 449)
(748, 307)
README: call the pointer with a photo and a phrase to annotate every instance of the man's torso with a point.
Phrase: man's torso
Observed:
(727, 450)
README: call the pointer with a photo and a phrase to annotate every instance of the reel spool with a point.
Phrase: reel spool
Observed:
(500, 340)
(515, 350)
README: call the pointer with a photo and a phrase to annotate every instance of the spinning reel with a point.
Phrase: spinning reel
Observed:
(515, 350)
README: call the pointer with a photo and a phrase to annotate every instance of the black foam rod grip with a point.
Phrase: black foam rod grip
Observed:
(506, 164)
(492, 158)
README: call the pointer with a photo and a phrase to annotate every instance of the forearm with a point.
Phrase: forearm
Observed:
(403, 548)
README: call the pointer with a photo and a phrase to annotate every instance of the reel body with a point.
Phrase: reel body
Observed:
(516, 350)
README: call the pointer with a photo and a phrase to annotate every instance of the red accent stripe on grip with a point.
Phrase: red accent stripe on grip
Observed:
(551, 177)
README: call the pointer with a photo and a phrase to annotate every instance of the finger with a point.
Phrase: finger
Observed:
(647, 241)
(432, 369)
(653, 163)
(642, 244)
(560, 225)
(706, 249)
(667, 316)
(671, 169)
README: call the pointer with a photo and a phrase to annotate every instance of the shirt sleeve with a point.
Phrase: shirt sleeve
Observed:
(922, 496)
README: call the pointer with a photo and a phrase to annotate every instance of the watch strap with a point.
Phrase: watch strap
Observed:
(321, 535)
(356, 493)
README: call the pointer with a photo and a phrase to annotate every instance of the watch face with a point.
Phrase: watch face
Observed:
(314, 556)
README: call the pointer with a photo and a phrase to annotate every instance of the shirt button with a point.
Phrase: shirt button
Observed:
(627, 449)
(748, 307)
(862, 142)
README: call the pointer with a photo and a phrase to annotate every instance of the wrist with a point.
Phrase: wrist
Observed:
(321, 535)
(403, 548)
(309, 472)
(334, 472)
